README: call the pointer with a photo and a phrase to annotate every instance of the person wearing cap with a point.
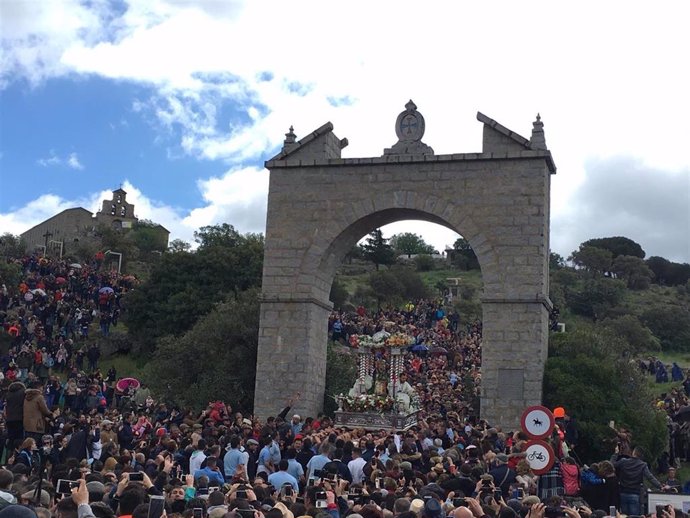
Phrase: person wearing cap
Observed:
(502, 474)
(96, 491)
(432, 508)
(296, 424)
(253, 457)
(30, 498)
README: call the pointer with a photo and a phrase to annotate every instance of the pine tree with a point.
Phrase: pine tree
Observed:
(377, 250)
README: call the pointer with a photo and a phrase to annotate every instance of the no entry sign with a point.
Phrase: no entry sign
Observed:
(540, 457)
(537, 422)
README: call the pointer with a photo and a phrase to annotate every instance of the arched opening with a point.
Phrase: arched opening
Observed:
(418, 251)
(391, 220)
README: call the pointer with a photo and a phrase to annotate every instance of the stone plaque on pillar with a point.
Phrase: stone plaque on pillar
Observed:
(511, 383)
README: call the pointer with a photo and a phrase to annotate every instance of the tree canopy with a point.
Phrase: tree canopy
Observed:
(377, 249)
(183, 286)
(11, 246)
(409, 244)
(592, 258)
(209, 362)
(617, 245)
(462, 256)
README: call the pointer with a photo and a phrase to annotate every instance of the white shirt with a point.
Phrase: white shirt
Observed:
(356, 467)
(198, 457)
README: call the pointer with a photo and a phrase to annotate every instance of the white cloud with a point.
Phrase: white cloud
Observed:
(604, 88)
(49, 161)
(72, 161)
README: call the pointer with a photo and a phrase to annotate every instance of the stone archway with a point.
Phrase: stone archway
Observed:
(320, 205)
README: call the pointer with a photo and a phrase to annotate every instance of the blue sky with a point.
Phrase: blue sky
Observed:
(181, 101)
(95, 121)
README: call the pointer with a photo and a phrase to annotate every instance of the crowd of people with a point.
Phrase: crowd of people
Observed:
(443, 365)
(74, 444)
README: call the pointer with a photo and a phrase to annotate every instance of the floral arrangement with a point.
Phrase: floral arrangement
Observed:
(367, 403)
(400, 340)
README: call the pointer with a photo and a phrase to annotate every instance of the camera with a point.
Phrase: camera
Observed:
(321, 500)
(459, 502)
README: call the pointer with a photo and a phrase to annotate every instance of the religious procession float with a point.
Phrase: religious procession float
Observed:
(381, 397)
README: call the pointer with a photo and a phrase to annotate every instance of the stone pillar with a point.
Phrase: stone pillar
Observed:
(291, 355)
(514, 351)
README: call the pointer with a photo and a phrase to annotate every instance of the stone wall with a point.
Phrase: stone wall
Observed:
(68, 225)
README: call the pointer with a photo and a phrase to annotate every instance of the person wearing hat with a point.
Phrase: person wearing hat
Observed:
(502, 474)
(108, 435)
(252, 449)
(96, 491)
(416, 506)
(30, 498)
(432, 509)
(296, 424)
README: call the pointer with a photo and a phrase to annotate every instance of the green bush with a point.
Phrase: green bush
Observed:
(424, 263)
(341, 373)
(670, 324)
(589, 374)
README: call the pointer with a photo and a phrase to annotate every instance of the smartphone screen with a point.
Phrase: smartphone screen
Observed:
(136, 476)
(64, 486)
(156, 506)
(198, 512)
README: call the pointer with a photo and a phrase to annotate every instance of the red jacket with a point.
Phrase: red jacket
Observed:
(571, 478)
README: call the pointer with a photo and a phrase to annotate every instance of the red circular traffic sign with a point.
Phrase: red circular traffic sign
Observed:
(537, 422)
(540, 456)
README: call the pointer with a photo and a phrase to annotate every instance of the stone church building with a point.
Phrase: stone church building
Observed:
(70, 226)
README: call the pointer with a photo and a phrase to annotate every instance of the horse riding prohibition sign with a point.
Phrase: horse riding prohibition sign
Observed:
(537, 422)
